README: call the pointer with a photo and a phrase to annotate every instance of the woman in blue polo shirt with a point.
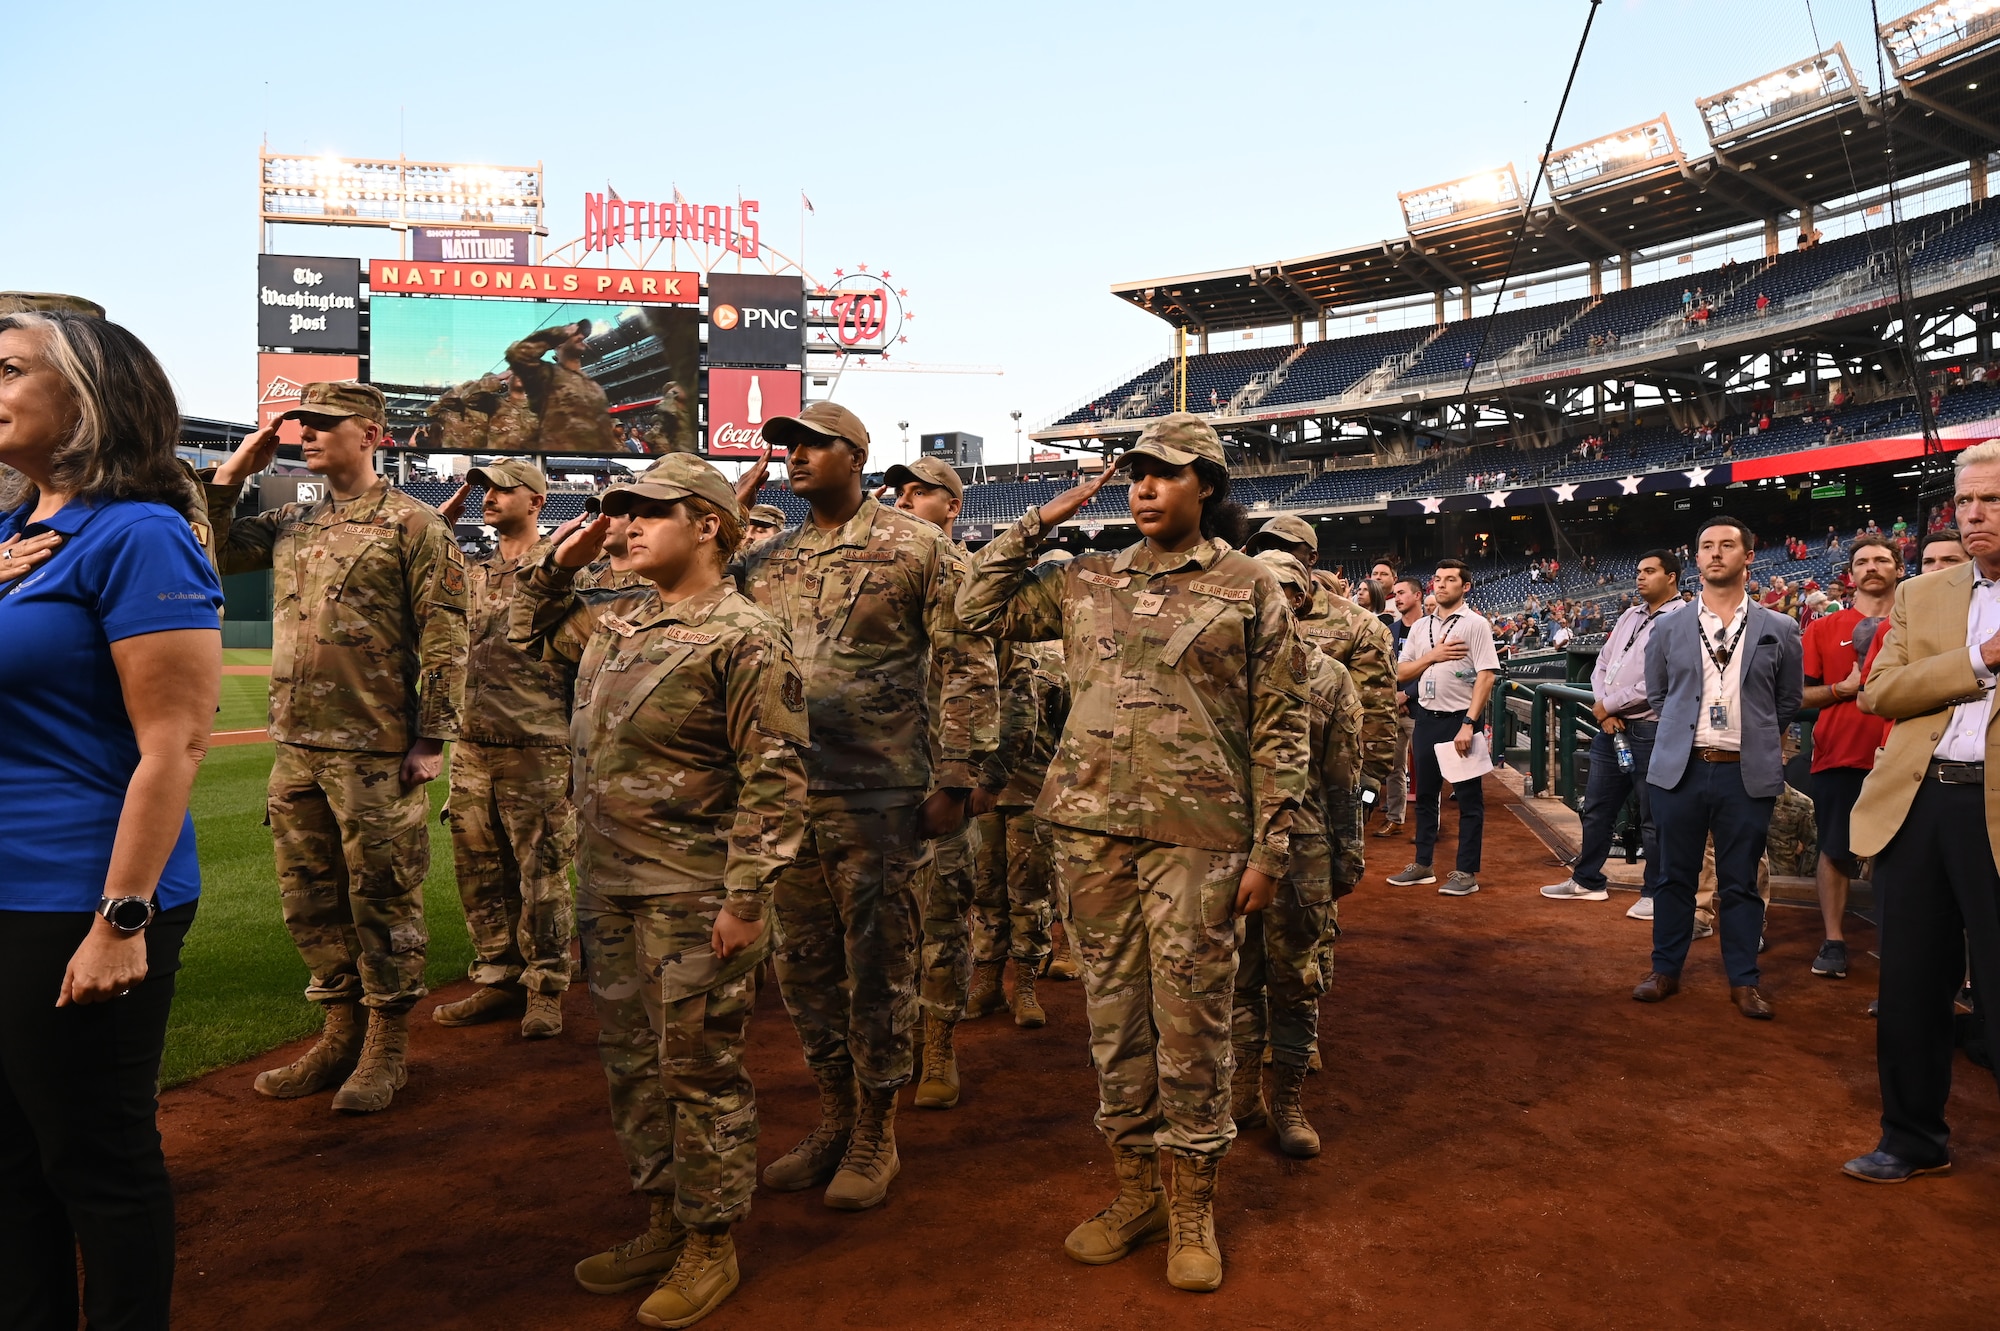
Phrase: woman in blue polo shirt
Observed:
(110, 666)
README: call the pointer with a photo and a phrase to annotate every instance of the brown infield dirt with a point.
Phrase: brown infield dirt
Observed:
(1510, 1141)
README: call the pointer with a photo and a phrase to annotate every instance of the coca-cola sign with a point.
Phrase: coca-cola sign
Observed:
(740, 401)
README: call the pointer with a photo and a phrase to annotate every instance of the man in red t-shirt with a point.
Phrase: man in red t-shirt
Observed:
(1844, 738)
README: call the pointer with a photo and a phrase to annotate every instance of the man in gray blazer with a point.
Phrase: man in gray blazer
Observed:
(1726, 681)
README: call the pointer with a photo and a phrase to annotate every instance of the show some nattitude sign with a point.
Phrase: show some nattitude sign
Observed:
(612, 286)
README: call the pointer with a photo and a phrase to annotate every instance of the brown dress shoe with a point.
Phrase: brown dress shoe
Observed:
(1750, 1001)
(1657, 988)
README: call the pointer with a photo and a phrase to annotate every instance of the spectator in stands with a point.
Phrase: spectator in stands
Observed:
(1763, 304)
(1725, 680)
(110, 670)
(1450, 657)
(1844, 737)
(1622, 707)
(1942, 549)
(1924, 814)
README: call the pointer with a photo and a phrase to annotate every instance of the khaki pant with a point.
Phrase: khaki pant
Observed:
(672, 1025)
(513, 834)
(1153, 931)
(1396, 791)
(1704, 891)
(1012, 914)
(848, 925)
(947, 949)
(352, 847)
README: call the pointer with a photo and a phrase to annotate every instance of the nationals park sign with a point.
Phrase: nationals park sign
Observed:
(612, 286)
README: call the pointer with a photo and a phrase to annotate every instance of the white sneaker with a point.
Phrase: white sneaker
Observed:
(1571, 890)
(1642, 909)
(1703, 930)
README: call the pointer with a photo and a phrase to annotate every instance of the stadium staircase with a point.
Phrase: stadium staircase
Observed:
(1531, 348)
(1391, 369)
(1261, 384)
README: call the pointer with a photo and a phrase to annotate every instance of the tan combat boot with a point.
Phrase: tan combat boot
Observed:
(1295, 1135)
(1246, 1089)
(1194, 1258)
(705, 1276)
(987, 995)
(380, 1072)
(489, 1002)
(1027, 1008)
(637, 1261)
(938, 1088)
(871, 1160)
(1062, 961)
(813, 1161)
(326, 1064)
(1136, 1216)
(543, 1017)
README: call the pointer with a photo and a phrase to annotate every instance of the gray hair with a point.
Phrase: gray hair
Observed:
(127, 420)
(1977, 455)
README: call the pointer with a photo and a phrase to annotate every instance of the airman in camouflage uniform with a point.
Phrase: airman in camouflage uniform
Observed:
(1278, 978)
(459, 418)
(513, 427)
(763, 520)
(1180, 770)
(674, 428)
(866, 602)
(512, 829)
(367, 683)
(691, 794)
(931, 490)
(1012, 901)
(573, 410)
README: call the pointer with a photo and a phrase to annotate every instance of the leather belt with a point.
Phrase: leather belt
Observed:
(1958, 774)
(1718, 755)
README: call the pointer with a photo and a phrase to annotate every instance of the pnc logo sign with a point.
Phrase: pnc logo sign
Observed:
(725, 317)
(754, 319)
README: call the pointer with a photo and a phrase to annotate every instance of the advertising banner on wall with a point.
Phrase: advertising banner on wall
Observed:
(756, 320)
(308, 304)
(740, 401)
(612, 286)
(467, 244)
(281, 376)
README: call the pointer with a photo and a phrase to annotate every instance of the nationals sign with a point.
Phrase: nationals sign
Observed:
(740, 401)
(612, 286)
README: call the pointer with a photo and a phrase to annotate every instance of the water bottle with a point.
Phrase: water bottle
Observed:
(1623, 748)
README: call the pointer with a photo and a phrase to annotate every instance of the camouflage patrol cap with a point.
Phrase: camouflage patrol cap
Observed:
(1054, 557)
(1287, 527)
(47, 302)
(766, 515)
(347, 397)
(675, 476)
(930, 471)
(510, 474)
(1177, 440)
(815, 425)
(1289, 570)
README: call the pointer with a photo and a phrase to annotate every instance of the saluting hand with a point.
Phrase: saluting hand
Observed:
(1065, 505)
(452, 509)
(751, 481)
(584, 544)
(255, 453)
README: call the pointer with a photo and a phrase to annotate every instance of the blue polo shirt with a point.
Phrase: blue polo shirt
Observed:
(68, 752)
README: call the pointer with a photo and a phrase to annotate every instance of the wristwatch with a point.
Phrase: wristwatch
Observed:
(1472, 719)
(128, 915)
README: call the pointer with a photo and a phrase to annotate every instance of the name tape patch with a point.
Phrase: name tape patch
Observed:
(1105, 579)
(676, 633)
(1226, 593)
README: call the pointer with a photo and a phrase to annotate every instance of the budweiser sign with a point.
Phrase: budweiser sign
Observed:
(612, 286)
(740, 401)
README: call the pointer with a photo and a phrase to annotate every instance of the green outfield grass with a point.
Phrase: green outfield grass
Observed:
(246, 656)
(241, 987)
(246, 703)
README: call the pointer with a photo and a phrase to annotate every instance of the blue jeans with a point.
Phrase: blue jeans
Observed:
(1605, 794)
(1710, 800)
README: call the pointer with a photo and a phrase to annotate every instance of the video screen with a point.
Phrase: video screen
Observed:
(534, 376)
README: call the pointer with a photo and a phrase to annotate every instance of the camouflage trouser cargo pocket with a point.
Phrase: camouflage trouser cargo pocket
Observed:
(682, 1106)
(513, 837)
(1279, 976)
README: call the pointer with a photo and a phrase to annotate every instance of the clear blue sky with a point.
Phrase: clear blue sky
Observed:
(1006, 162)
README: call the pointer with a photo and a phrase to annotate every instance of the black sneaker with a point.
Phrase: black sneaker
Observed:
(1832, 960)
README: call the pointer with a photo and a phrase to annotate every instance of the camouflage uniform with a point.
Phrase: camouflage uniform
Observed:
(1361, 642)
(1011, 904)
(512, 829)
(1183, 761)
(601, 577)
(573, 411)
(1279, 978)
(368, 611)
(674, 428)
(865, 605)
(948, 886)
(690, 793)
(513, 427)
(459, 418)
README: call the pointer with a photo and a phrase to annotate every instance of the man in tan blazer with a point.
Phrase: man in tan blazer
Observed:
(1927, 811)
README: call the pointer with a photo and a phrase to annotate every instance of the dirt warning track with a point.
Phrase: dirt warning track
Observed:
(1510, 1141)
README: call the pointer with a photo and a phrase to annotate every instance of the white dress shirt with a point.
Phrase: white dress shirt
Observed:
(1723, 686)
(1965, 738)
